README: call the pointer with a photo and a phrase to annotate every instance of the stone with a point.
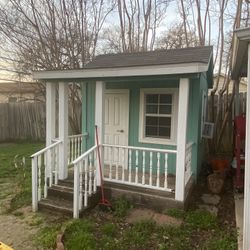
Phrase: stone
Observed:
(210, 208)
(215, 183)
(59, 244)
(212, 199)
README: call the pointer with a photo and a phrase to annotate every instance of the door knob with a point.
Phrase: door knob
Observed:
(121, 131)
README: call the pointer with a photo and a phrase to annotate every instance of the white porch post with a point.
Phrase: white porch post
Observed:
(50, 112)
(181, 138)
(63, 130)
(246, 226)
(99, 121)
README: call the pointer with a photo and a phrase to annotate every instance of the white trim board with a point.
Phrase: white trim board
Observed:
(170, 69)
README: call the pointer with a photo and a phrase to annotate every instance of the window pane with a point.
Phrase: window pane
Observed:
(166, 98)
(152, 109)
(165, 121)
(152, 121)
(152, 98)
(165, 109)
(164, 132)
(151, 131)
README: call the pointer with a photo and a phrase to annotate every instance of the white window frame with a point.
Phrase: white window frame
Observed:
(173, 137)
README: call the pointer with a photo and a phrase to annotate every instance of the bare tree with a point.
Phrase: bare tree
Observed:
(138, 22)
(53, 34)
(177, 37)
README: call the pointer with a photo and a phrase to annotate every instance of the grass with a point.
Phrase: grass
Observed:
(15, 168)
(199, 230)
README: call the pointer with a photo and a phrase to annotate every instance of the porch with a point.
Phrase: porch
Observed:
(143, 171)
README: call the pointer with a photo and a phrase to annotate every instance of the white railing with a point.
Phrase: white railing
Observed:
(137, 166)
(188, 162)
(74, 147)
(44, 171)
(84, 179)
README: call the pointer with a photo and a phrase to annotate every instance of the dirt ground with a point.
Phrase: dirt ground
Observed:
(17, 229)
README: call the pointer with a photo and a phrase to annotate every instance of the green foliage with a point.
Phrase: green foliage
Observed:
(222, 240)
(79, 235)
(174, 212)
(121, 207)
(201, 219)
(140, 233)
(81, 240)
(15, 167)
(109, 229)
(46, 237)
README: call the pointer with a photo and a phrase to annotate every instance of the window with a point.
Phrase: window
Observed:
(158, 115)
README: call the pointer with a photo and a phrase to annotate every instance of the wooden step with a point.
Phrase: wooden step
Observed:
(58, 205)
(64, 192)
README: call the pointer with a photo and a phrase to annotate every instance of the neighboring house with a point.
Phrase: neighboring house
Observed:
(19, 92)
(148, 109)
(242, 84)
(241, 68)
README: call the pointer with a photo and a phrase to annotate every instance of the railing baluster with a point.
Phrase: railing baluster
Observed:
(130, 165)
(116, 165)
(45, 191)
(150, 168)
(166, 171)
(158, 170)
(90, 172)
(76, 192)
(80, 166)
(110, 163)
(143, 167)
(86, 182)
(136, 166)
(56, 164)
(123, 164)
(94, 171)
(39, 177)
(51, 162)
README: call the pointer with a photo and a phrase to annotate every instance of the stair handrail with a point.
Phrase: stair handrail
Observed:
(80, 167)
(36, 159)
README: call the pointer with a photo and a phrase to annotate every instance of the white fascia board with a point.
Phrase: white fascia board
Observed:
(243, 34)
(171, 69)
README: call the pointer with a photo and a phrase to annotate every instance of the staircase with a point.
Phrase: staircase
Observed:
(60, 199)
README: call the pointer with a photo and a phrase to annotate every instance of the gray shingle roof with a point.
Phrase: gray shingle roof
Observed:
(157, 57)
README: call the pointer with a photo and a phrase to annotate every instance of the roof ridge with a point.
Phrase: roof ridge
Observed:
(153, 51)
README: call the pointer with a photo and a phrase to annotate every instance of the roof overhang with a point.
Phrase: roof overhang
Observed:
(240, 53)
(98, 73)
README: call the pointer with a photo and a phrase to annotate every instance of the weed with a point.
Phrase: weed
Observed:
(46, 237)
(78, 234)
(139, 234)
(222, 240)
(201, 219)
(109, 229)
(18, 213)
(81, 240)
(174, 212)
(121, 207)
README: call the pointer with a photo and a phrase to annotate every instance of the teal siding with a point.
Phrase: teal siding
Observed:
(134, 104)
(197, 84)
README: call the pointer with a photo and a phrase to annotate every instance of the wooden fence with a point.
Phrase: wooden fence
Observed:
(20, 121)
(227, 138)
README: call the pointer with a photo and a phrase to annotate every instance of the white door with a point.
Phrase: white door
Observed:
(116, 124)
